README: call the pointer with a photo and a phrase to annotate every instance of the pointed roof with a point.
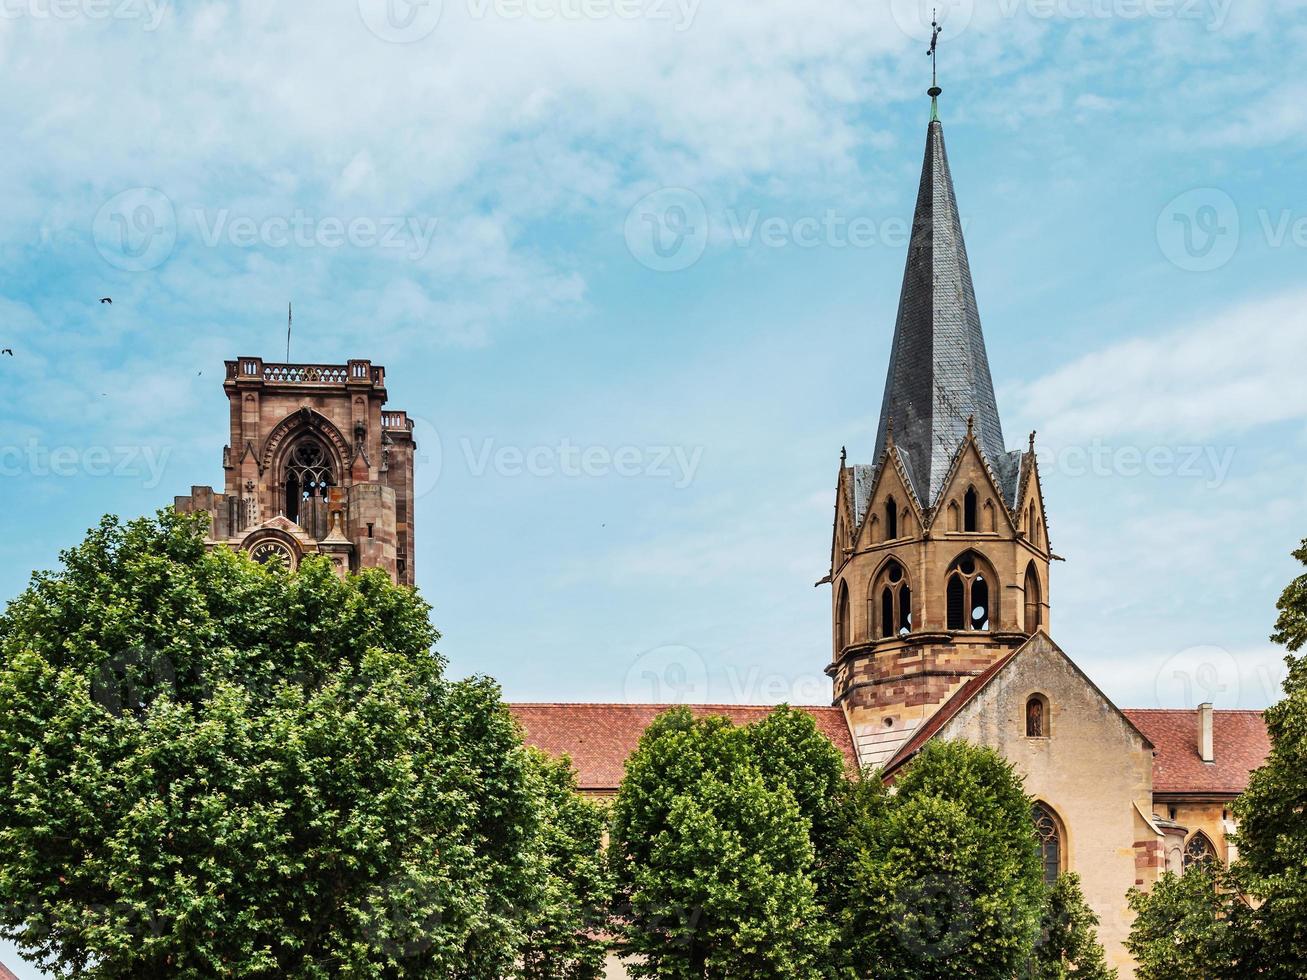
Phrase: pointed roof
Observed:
(938, 370)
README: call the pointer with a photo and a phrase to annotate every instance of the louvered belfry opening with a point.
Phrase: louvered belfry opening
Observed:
(307, 483)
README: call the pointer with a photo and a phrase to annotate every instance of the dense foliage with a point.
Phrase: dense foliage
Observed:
(948, 880)
(1272, 813)
(1249, 920)
(713, 852)
(563, 932)
(1192, 925)
(1068, 946)
(217, 768)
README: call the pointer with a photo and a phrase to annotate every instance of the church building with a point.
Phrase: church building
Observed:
(941, 608)
(941, 596)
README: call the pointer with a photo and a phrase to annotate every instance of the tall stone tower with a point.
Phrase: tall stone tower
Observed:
(316, 464)
(939, 563)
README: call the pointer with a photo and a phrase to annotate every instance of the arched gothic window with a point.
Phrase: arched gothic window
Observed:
(306, 481)
(891, 520)
(1032, 526)
(894, 598)
(971, 606)
(969, 504)
(1037, 716)
(1048, 833)
(1034, 600)
(842, 631)
(1199, 850)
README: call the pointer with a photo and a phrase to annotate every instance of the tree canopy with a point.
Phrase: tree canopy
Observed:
(947, 881)
(713, 853)
(214, 767)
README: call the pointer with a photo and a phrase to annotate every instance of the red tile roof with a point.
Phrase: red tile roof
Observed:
(600, 737)
(5, 974)
(1239, 742)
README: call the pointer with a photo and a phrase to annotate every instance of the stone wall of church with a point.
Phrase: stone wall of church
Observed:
(1092, 768)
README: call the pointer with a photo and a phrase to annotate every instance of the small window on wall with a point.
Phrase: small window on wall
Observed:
(969, 503)
(1037, 716)
(891, 520)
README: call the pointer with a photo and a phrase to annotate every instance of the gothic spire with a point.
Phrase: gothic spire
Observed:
(938, 370)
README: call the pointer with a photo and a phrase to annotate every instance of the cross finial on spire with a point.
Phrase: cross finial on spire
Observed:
(844, 455)
(934, 91)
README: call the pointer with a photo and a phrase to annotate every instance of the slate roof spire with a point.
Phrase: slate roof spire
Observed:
(938, 370)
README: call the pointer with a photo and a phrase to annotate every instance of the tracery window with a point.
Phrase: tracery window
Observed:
(968, 594)
(1048, 834)
(1199, 850)
(894, 596)
(307, 480)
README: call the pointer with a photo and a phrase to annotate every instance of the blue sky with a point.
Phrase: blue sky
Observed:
(631, 451)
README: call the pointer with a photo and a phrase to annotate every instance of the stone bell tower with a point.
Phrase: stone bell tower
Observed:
(316, 464)
(940, 557)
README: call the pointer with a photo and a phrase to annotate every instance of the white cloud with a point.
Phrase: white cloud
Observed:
(1225, 374)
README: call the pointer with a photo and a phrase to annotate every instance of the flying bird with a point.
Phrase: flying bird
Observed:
(8, 350)
(107, 299)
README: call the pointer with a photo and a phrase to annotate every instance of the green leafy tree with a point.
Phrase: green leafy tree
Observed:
(713, 855)
(216, 768)
(1272, 812)
(563, 938)
(1068, 946)
(946, 879)
(1193, 925)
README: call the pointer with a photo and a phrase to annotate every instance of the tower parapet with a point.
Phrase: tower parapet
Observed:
(314, 465)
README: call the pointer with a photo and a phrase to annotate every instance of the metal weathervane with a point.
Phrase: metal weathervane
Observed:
(935, 43)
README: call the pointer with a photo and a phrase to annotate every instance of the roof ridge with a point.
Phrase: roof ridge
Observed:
(662, 704)
(1190, 711)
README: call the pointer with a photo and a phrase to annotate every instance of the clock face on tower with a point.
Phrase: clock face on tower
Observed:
(268, 550)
